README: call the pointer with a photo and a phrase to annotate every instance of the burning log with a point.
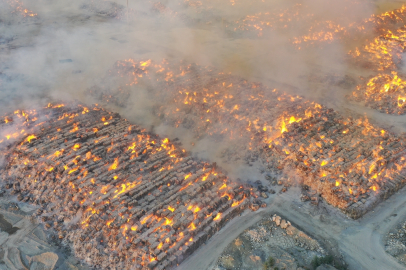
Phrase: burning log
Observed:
(124, 192)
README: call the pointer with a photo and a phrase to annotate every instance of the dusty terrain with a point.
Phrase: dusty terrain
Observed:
(24, 243)
(360, 242)
(272, 237)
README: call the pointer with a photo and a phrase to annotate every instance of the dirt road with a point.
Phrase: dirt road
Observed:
(360, 241)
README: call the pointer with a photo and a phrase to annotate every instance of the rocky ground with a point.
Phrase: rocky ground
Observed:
(273, 243)
(24, 244)
(395, 242)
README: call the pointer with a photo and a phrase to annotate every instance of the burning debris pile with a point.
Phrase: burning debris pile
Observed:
(350, 162)
(117, 194)
(317, 31)
(17, 7)
(383, 92)
(385, 52)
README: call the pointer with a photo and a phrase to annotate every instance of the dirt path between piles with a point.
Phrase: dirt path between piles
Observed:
(359, 241)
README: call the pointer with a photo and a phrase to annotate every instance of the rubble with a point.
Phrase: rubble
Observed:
(290, 247)
(395, 242)
(119, 196)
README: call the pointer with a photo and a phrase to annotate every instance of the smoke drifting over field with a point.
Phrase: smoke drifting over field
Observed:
(58, 50)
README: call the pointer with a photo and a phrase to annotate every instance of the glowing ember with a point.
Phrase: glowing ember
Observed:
(114, 165)
(31, 137)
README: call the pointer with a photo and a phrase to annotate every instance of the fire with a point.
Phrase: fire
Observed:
(75, 128)
(192, 226)
(223, 186)
(401, 101)
(114, 165)
(236, 203)
(323, 163)
(144, 220)
(168, 221)
(145, 63)
(217, 217)
(283, 126)
(31, 137)
(337, 183)
(171, 209)
(292, 119)
(160, 245)
(73, 170)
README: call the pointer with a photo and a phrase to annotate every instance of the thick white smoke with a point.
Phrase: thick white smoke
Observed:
(66, 47)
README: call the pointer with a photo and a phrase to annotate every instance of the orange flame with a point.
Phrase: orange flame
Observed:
(31, 137)
(114, 165)
(192, 226)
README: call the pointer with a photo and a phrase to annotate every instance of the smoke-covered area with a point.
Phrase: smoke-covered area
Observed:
(62, 50)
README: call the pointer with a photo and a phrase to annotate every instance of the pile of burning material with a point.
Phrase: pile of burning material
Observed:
(206, 102)
(316, 31)
(383, 92)
(350, 162)
(120, 196)
(17, 7)
(384, 52)
(383, 24)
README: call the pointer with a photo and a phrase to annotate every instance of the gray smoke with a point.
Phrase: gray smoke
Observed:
(68, 46)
